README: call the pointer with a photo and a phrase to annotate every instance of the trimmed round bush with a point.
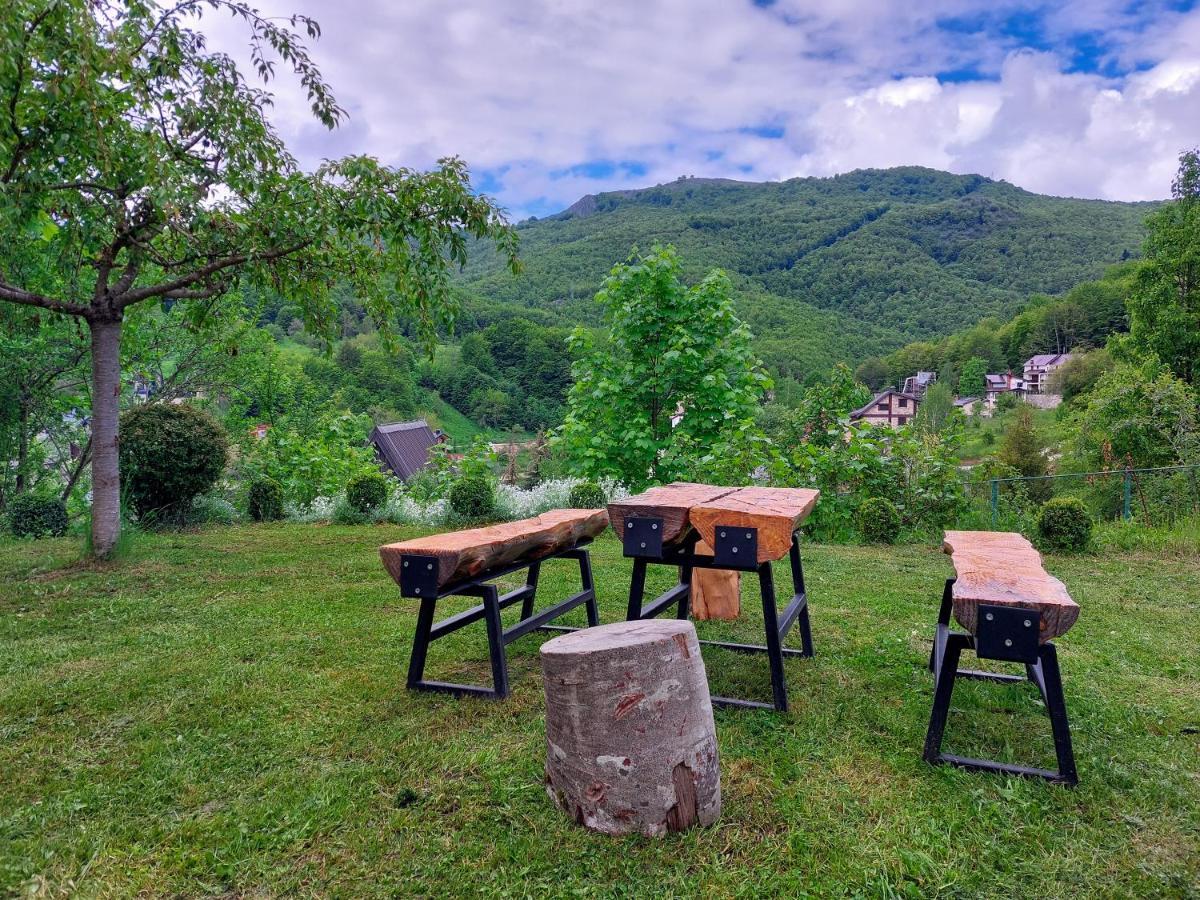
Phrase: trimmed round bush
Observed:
(265, 500)
(878, 521)
(473, 497)
(170, 454)
(586, 495)
(1064, 523)
(366, 493)
(30, 516)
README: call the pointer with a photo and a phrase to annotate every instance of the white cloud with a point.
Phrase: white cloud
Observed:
(533, 87)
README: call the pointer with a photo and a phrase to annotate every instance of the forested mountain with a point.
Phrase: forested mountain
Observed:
(829, 268)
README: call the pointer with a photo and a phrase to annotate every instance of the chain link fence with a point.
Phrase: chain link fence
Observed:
(1159, 497)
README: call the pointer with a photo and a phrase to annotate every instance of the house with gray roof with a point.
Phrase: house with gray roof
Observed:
(403, 447)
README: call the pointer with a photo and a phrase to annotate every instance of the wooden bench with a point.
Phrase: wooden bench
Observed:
(1011, 610)
(464, 563)
(700, 527)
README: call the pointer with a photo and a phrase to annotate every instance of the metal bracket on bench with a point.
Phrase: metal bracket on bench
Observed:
(643, 537)
(418, 576)
(735, 547)
(1008, 633)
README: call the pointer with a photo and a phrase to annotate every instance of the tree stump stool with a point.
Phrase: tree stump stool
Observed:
(630, 741)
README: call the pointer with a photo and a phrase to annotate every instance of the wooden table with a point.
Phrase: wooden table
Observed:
(721, 531)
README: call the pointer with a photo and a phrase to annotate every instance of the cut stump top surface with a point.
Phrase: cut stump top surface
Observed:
(464, 554)
(617, 635)
(774, 512)
(1003, 568)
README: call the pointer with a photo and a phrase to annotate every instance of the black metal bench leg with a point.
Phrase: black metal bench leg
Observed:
(585, 580)
(420, 649)
(685, 598)
(495, 633)
(943, 619)
(1056, 705)
(806, 641)
(531, 581)
(766, 583)
(944, 686)
(637, 590)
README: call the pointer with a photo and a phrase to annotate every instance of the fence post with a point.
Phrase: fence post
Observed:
(1127, 495)
(995, 501)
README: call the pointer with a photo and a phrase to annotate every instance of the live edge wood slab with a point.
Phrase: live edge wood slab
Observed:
(1003, 568)
(462, 555)
(775, 512)
(671, 503)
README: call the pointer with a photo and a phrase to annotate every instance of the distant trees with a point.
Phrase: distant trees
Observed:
(675, 377)
(1140, 416)
(973, 380)
(1023, 450)
(1164, 307)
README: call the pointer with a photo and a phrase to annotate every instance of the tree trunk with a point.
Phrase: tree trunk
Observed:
(106, 400)
(630, 741)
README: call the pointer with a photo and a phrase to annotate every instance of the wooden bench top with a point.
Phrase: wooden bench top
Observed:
(462, 555)
(670, 502)
(1003, 568)
(775, 512)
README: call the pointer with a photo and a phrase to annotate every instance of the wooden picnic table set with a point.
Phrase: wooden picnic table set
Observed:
(1009, 607)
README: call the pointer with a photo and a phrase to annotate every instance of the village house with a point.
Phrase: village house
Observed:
(1038, 370)
(918, 384)
(891, 408)
(403, 447)
(1006, 383)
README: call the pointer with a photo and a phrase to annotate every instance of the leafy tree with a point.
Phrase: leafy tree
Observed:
(1023, 450)
(1164, 308)
(822, 415)
(1079, 374)
(138, 166)
(973, 382)
(1140, 416)
(675, 375)
(935, 410)
(873, 372)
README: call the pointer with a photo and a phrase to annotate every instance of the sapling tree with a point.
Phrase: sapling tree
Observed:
(675, 378)
(139, 166)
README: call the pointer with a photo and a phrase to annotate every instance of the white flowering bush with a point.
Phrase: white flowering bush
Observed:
(403, 509)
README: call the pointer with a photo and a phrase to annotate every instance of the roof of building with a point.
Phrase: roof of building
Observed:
(1006, 382)
(863, 410)
(404, 446)
(963, 401)
(1047, 359)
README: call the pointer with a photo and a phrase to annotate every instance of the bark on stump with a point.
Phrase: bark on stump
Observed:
(630, 741)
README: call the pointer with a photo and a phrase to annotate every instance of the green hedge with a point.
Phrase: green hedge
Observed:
(30, 516)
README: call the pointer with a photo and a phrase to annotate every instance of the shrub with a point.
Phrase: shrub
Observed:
(586, 495)
(367, 492)
(265, 501)
(169, 455)
(346, 513)
(878, 521)
(30, 516)
(472, 497)
(1064, 524)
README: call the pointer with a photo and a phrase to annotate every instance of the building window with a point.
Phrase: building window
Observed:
(903, 420)
(903, 403)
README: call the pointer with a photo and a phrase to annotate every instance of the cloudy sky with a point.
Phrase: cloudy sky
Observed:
(548, 100)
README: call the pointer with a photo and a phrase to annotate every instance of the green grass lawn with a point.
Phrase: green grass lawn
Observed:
(224, 712)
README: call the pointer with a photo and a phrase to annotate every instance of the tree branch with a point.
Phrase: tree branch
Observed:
(184, 282)
(29, 298)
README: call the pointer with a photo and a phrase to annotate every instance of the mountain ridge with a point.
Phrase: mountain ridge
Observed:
(891, 255)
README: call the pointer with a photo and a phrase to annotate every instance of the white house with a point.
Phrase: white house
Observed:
(1038, 370)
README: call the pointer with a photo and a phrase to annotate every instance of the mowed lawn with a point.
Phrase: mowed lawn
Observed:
(224, 712)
